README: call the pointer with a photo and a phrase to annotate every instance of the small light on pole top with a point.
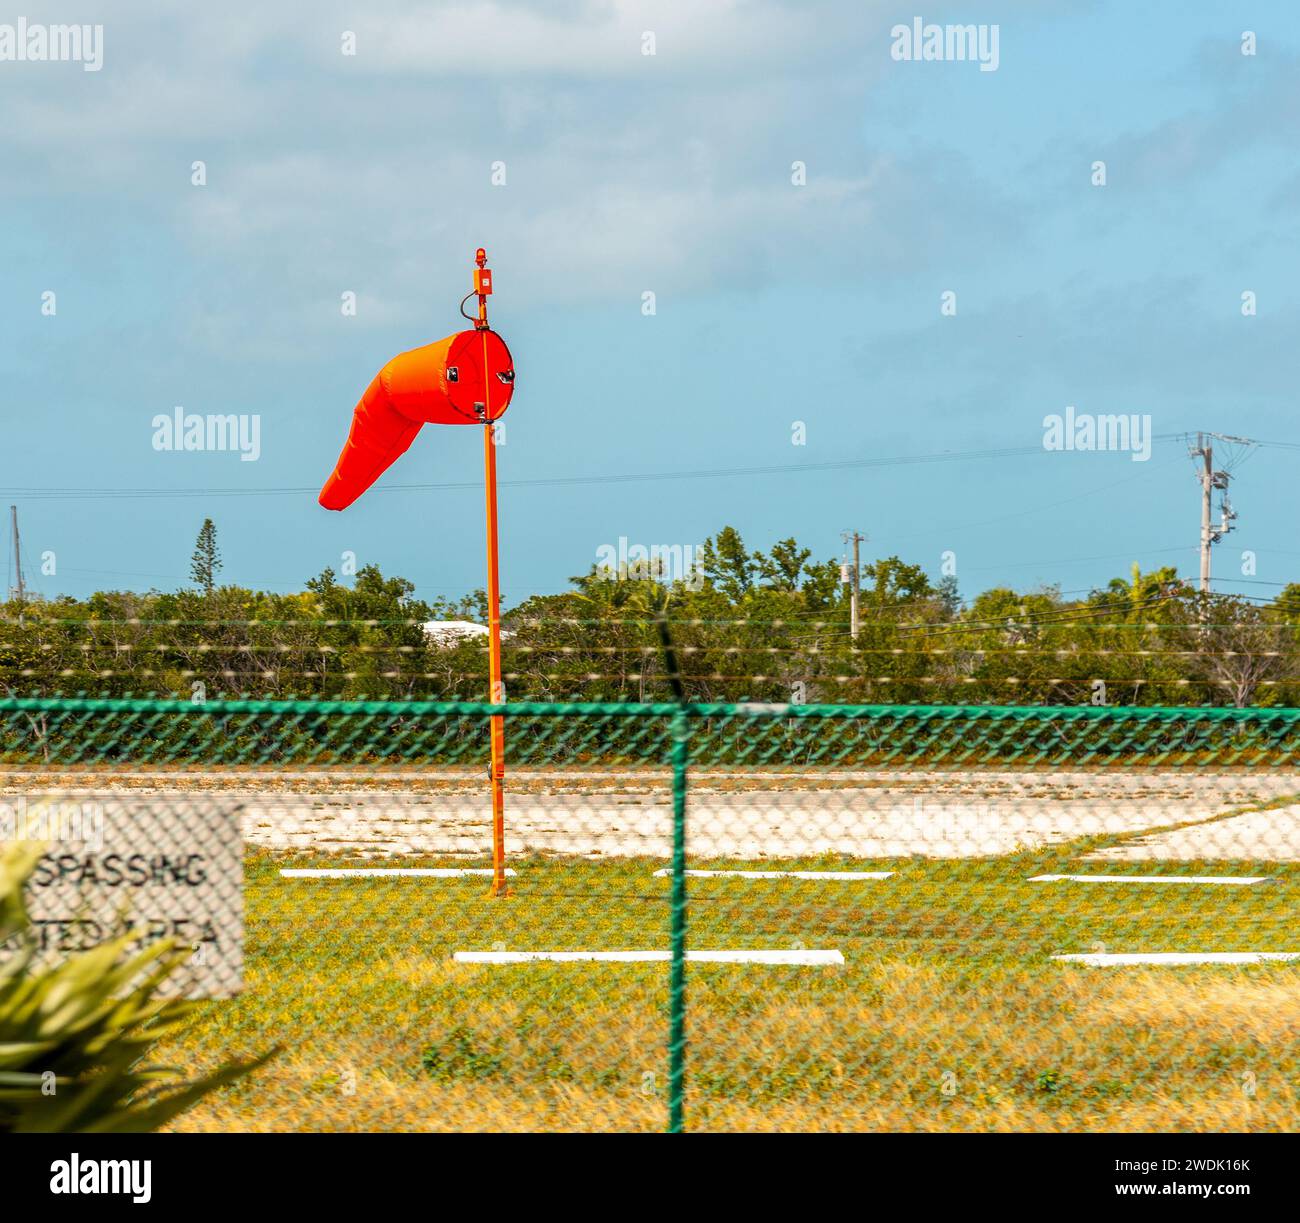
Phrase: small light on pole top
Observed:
(482, 286)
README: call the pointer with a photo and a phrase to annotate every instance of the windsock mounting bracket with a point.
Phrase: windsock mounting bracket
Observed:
(482, 287)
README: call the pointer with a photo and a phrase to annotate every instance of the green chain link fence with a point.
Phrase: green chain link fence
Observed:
(877, 895)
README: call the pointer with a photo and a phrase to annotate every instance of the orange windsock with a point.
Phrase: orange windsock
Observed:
(466, 379)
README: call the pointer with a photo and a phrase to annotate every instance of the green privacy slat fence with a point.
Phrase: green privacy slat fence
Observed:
(784, 781)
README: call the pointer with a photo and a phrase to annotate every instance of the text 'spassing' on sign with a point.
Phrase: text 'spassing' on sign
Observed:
(115, 865)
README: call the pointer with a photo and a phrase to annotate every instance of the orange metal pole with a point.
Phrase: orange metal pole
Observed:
(496, 689)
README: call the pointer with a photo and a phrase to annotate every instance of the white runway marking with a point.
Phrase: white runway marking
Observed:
(649, 957)
(838, 876)
(1103, 959)
(1229, 879)
(369, 872)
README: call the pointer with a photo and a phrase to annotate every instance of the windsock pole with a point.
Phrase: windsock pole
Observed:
(496, 689)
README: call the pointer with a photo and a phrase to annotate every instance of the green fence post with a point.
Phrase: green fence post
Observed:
(677, 980)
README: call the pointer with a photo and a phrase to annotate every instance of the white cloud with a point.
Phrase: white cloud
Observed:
(590, 38)
(669, 172)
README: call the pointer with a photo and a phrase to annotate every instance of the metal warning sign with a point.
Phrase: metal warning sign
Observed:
(151, 866)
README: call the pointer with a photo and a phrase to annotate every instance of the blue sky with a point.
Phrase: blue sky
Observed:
(670, 173)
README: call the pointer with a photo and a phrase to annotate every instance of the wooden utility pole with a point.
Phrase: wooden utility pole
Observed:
(20, 591)
(855, 579)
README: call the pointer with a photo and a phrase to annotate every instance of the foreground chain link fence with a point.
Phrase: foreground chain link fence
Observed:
(723, 916)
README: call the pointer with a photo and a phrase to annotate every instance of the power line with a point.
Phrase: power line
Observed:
(72, 493)
(1076, 652)
(1079, 560)
(631, 677)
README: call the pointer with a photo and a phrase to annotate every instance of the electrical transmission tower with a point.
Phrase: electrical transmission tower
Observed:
(1202, 454)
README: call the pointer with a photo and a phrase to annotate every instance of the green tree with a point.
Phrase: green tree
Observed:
(782, 568)
(205, 564)
(822, 588)
(948, 595)
(1235, 648)
(1287, 604)
(728, 565)
(891, 581)
(1142, 594)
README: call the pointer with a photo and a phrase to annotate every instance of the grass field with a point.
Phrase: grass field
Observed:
(948, 1013)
